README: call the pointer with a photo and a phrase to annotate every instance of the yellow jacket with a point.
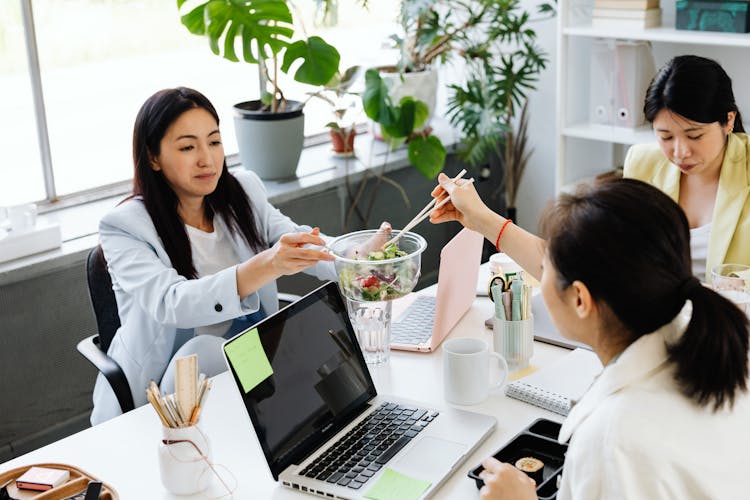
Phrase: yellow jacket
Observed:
(730, 224)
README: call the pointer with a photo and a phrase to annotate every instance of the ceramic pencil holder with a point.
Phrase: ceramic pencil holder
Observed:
(184, 458)
(514, 340)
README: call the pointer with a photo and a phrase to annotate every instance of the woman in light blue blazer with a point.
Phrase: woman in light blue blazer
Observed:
(194, 252)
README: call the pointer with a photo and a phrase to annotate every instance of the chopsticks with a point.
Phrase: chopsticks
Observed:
(425, 212)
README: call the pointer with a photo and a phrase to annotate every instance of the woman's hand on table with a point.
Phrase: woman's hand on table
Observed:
(503, 481)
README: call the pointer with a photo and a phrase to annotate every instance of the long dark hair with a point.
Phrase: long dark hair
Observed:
(695, 87)
(228, 200)
(629, 243)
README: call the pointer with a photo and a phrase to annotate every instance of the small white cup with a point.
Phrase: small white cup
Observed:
(184, 456)
(21, 217)
(466, 371)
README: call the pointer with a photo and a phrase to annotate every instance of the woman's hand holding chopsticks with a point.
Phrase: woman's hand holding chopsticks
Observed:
(458, 200)
(435, 203)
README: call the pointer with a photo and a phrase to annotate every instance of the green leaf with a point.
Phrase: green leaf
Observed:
(405, 117)
(545, 7)
(229, 52)
(259, 24)
(193, 21)
(375, 99)
(320, 61)
(349, 77)
(421, 112)
(427, 154)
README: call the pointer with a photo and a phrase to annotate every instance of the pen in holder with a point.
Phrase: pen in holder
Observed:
(185, 464)
(513, 323)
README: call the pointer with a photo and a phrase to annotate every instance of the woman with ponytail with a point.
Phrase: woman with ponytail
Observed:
(669, 416)
(701, 158)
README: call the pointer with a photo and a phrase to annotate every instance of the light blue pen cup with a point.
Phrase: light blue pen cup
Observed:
(514, 340)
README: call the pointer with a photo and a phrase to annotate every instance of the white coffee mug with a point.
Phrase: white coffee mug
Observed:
(466, 371)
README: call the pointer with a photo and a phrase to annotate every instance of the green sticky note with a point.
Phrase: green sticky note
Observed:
(393, 485)
(249, 359)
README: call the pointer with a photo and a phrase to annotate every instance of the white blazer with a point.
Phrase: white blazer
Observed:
(154, 301)
(636, 436)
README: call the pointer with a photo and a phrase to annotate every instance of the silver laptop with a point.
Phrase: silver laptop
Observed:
(322, 426)
(545, 330)
(423, 321)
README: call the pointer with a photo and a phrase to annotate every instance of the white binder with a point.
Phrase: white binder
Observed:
(621, 71)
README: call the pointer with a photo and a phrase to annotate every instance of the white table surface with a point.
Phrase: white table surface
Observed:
(123, 451)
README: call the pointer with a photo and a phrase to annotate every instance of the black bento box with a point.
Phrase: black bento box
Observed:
(537, 440)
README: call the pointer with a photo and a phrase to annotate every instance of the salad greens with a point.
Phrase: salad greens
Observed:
(375, 279)
(391, 251)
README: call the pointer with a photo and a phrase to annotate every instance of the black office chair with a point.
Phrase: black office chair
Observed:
(95, 347)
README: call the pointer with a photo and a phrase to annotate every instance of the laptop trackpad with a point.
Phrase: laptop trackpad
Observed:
(430, 458)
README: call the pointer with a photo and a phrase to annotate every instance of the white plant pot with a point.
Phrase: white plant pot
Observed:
(421, 85)
(270, 144)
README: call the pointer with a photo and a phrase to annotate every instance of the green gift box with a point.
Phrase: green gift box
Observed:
(729, 17)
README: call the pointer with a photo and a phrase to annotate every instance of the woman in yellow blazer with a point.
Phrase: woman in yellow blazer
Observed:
(701, 159)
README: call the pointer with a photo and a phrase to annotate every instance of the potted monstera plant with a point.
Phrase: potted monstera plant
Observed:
(270, 130)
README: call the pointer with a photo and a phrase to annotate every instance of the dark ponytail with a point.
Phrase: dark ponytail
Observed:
(695, 87)
(629, 243)
(711, 356)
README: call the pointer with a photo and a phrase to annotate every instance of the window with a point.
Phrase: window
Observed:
(21, 166)
(107, 56)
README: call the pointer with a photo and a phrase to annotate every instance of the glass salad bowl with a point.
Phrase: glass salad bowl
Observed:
(370, 280)
(377, 275)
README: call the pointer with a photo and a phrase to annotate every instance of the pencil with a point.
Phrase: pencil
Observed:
(153, 402)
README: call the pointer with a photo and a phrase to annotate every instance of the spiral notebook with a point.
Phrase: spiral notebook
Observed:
(558, 386)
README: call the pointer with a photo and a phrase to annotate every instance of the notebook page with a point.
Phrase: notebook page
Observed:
(555, 386)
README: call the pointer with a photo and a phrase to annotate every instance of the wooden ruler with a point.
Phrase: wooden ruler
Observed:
(186, 383)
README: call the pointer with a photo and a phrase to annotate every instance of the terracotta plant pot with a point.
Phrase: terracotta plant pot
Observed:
(343, 140)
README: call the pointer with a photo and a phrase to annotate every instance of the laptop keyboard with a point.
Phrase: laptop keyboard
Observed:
(415, 326)
(358, 455)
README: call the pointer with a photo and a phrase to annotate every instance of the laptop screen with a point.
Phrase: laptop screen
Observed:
(301, 375)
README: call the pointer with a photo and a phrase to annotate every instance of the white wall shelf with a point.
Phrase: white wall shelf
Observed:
(664, 34)
(616, 135)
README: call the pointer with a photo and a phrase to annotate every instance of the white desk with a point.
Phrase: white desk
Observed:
(123, 451)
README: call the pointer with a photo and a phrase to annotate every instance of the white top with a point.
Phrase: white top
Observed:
(699, 238)
(635, 436)
(211, 254)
